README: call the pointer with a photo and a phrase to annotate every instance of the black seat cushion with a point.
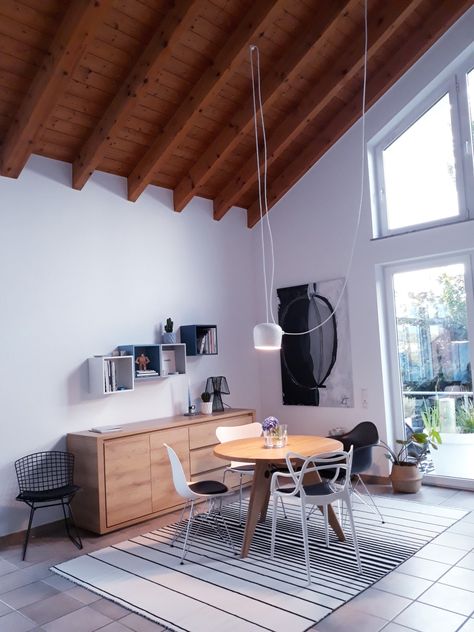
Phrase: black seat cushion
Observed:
(208, 487)
(48, 494)
(318, 489)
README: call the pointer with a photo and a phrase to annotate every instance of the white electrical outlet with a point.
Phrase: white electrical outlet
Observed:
(364, 396)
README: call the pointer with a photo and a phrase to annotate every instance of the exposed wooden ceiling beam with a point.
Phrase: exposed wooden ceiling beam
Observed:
(69, 44)
(258, 18)
(155, 55)
(438, 22)
(333, 80)
(281, 73)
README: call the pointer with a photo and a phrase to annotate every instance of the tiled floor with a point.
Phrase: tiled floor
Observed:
(431, 592)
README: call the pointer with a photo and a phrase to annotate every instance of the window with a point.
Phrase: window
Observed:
(423, 163)
(430, 315)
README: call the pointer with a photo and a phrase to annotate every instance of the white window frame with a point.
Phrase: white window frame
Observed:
(455, 85)
(392, 373)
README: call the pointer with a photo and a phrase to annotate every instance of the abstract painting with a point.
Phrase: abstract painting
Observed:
(316, 367)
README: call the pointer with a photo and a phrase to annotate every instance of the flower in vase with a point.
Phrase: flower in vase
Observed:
(270, 423)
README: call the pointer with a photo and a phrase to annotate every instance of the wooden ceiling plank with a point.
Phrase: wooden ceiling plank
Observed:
(382, 22)
(155, 55)
(67, 47)
(281, 72)
(229, 57)
(418, 43)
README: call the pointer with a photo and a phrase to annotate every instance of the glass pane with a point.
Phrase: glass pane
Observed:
(470, 96)
(434, 360)
(419, 171)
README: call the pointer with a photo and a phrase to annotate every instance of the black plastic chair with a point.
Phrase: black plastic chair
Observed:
(364, 437)
(45, 479)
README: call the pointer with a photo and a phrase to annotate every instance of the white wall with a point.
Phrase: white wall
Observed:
(313, 228)
(82, 272)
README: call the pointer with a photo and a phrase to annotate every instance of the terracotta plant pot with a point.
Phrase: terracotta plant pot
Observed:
(406, 478)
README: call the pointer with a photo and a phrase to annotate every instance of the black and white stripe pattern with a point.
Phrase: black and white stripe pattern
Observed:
(215, 590)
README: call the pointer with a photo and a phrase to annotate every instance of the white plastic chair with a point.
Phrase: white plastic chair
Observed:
(320, 494)
(232, 433)
(192, 492)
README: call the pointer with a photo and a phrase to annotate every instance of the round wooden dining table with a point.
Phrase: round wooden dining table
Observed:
(254, 451)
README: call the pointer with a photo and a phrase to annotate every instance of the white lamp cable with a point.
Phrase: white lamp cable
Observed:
(262, 190)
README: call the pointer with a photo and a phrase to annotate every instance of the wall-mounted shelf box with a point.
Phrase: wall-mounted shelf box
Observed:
(110, 374)
(116, 374)
(199, 339)
(164, 359)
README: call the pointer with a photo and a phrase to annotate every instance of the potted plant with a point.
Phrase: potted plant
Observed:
(169, 336)
(406, 476)
(206, 403)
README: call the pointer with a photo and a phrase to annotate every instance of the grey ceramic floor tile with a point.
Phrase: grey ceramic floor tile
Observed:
(449, 598)
(115, 626)
(26, 595)
(83, 595)
(350, 619)
(467, 561)
(403, 585)
(426, 569)
(461, 499)
(464, 528)
(395, 627)
(140, 624)
(379, 603)
(455, 540)
(16, 622)
(439, 553)
(4, 608)
(110, 609)
(51, 608)
(7, 567)
(24, 576)
(83, 620)
(468, 626)
(60, 583)
(459, 578)
(425, 618)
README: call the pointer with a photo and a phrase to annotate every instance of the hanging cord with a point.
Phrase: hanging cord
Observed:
(254, 48)
(264, 195)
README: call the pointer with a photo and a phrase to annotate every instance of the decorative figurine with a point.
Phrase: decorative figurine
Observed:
(142, 362)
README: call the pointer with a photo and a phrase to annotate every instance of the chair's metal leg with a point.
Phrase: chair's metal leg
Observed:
(372, 504)
(326, 525)
(274, 525)
(76, 539)
(354, 534)
(304, 528)
(283, 507)
(188, 527)
(311, 512)
(179, 531)
(226, 528)
(27, 535)
(223, 482)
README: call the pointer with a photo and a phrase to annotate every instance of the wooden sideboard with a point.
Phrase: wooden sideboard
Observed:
(125, 475)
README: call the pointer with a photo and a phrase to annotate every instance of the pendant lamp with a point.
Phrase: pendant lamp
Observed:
(267, 336)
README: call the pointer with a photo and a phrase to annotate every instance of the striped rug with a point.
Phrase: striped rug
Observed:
(217, 591)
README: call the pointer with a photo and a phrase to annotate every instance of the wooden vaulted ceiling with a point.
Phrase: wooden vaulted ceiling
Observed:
(160, 91)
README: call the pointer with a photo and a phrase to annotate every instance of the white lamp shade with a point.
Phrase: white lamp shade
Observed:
(267, 336)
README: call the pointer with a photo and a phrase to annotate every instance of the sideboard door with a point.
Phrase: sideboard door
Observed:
(163, 492)
(127, 478)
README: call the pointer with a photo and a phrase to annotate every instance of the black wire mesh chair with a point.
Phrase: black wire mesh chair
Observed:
(45, 479)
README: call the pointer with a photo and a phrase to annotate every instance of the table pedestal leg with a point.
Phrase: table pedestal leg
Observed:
(259, 497)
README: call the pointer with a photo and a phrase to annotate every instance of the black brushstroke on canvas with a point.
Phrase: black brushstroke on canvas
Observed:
(306, 361)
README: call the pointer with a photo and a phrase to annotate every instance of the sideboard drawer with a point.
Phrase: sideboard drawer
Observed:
(203, 460)
(204, 434)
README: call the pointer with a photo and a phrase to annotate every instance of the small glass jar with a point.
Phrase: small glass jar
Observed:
(276, 437)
